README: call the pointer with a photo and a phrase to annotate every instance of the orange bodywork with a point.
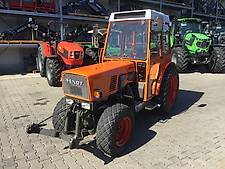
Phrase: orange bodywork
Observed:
(46, 49)
(99, 76)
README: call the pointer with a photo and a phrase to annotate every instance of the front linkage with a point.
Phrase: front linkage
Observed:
(78, 135)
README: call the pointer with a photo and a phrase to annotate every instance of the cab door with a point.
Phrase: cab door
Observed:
(155, 47)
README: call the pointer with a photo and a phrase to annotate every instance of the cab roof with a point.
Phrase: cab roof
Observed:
(138, 15)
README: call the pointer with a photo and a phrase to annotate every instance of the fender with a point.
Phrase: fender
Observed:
(157, 75)
(47, 52)
(46, 49)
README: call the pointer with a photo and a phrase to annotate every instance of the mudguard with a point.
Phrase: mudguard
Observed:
(157, 73)
(46, 49)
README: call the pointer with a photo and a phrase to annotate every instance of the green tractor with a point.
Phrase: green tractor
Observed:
(193, 46)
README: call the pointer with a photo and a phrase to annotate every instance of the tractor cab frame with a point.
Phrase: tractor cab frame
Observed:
(143, 40)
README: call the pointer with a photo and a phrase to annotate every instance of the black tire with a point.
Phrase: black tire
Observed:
(41, 62)
(166, 103)
(217, 63)
(59, 115)
(53, 71)
(180, 58)
(108, 128)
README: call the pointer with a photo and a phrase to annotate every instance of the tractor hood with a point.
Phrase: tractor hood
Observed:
(197, 43)
(83, 83)
(198, 36)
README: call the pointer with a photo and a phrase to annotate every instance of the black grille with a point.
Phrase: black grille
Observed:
(113, 83)
(202, 44)
(75, 85)
(77, 55)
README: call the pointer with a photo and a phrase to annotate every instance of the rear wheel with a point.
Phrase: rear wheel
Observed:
(53, 71)
(41, 62)
(217, 63)
(168, 90)
(114, 129)
(180, 58)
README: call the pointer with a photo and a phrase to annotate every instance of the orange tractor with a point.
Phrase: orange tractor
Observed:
(135, 73)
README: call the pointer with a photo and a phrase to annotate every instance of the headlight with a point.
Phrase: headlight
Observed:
(86, 106)
(69, 101)
(97, 94)
(72, 55)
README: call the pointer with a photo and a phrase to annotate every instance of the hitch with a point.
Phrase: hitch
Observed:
(74, 141)
(36, 127)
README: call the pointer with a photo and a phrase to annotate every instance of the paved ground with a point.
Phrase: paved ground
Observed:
(193, 137)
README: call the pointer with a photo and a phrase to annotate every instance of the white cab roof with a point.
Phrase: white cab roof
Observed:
(146, 14)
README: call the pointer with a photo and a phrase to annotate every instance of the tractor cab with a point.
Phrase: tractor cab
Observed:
(184, 26)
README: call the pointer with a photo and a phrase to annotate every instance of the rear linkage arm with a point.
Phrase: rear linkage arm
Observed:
(74, 141)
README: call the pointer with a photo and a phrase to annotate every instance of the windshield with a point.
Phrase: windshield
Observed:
(186, 27)
(127, 39)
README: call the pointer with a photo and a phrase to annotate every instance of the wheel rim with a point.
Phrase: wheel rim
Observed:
(173, 88)
(124, 131)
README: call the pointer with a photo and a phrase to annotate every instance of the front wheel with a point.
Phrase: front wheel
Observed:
(40, 62)
(180, 58)
(60, 113)
(168, 90)
(53, 71)
(114, 129)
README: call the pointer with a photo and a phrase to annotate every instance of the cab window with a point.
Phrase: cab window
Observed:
(155, 43)
(165, 39)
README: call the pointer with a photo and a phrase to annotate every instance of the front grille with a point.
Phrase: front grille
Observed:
(75, 85)
(77, 55)
(202, 44)
(113, 83)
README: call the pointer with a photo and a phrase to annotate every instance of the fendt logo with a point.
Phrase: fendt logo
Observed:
(75, 82)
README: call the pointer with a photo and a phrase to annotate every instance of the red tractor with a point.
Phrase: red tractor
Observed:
(53, 58)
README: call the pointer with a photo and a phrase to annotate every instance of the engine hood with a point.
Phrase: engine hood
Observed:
(82, 83)
(197, 43)
(106, 68)
(199, 36)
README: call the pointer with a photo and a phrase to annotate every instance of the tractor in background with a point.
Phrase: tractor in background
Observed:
(54, 56)
(192, 45)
